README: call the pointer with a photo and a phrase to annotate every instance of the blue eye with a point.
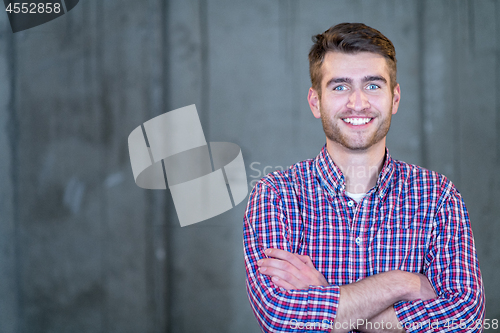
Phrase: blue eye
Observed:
(373, 86)
(340, 88)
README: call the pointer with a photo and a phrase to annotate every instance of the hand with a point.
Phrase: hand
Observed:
(290, 270)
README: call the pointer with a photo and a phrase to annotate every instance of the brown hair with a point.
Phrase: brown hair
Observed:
(350, 38)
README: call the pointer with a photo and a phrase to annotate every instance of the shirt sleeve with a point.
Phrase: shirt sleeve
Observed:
(453, 270)
(266, 225)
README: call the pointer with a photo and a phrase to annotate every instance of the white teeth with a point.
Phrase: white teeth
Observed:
(357, 121)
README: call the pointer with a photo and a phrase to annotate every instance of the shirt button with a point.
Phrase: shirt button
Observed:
(358, 241)
(350, 203)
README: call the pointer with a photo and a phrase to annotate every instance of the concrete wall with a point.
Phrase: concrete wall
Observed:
(9, 273)
(82, 248)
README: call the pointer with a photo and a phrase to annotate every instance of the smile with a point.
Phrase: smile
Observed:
(357, 121)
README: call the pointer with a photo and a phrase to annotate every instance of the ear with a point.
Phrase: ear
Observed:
(313, 99)
(396, 98)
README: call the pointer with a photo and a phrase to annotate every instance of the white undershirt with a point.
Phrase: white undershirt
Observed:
(355, 196)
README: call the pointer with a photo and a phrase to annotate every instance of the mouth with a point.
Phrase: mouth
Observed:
(357, 121)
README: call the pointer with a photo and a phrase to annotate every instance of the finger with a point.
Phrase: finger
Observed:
(282, 283)
(306, 260)
(303, 273)
(288, 256)
(282, 275)
(292, 258)
(301, 264)
(281, 265)
(299, 279)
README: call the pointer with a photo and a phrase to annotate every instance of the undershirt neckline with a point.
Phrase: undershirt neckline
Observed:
(355, 196)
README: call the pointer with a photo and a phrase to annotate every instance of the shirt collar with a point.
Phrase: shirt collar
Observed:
(333, 179)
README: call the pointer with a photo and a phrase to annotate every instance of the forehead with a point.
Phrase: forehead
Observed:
(353, 66)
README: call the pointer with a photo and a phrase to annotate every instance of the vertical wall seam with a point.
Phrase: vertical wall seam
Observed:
(470, 25)
(167, 201)
(97, 10)
(282, 28)
(457, 129)
(295, 80)
(421, 81)
(13, 135)
(205, 70)
(63, 2)
(497, 80)
(287, 49)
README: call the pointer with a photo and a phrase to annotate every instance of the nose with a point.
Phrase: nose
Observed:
(358, 101)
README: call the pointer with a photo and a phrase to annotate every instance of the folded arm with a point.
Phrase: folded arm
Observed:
(450, 265)
(452, 268)
(368, 300)
(278, 309)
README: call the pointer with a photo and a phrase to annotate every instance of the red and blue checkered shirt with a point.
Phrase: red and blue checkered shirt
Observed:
(413, 220)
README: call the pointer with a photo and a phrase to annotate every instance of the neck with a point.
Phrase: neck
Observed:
(360, 167)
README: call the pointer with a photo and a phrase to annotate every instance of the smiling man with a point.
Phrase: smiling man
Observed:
(354, 240)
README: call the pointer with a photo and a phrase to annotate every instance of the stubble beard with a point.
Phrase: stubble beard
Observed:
(354, 141)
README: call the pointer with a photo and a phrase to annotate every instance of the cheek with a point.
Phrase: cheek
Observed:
(333, 105)
(380, 103)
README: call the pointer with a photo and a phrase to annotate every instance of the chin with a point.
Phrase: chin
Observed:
(354, 145)
(359, 148)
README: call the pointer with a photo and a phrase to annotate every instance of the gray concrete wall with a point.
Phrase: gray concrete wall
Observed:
(9, 288)
(82, 248)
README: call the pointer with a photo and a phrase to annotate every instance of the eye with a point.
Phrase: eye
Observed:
(340, 88)
(373, 86)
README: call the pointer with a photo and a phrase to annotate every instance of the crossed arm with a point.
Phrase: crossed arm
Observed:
(292, 291)
(371, 298)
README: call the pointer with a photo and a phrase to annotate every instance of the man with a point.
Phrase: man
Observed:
(353, 239)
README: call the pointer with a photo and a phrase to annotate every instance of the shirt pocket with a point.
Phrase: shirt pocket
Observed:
(398, 248)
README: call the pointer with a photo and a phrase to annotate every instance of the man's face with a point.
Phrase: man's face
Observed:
(356, 102)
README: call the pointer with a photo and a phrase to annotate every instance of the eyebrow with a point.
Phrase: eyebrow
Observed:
(374, 78)
(367, 78)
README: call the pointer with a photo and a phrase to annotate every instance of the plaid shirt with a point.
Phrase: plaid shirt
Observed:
(413, 220)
